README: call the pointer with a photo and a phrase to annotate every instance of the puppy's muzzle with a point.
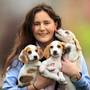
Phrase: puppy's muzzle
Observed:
(55, 52)
(35, 57)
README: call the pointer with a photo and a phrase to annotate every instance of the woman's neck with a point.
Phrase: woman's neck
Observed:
(43, 45)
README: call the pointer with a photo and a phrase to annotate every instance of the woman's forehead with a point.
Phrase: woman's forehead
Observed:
(42, 15)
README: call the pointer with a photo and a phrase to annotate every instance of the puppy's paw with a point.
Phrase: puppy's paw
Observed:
(42, 69)
(20, 85)
(62, 82)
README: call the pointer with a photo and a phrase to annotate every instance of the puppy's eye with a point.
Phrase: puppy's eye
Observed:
(36, 50)
(66, 32)
(29, 52)
(58, 46)
(51, 46)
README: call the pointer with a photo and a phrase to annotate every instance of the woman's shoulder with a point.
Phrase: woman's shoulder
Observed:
(16, 63)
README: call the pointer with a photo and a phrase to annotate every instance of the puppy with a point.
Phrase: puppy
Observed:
(72, 47)
(30, 56)
(51, 68)
(72, 51)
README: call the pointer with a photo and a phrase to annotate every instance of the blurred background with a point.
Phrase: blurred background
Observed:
(75, 15)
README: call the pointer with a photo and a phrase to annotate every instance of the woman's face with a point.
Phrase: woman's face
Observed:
(43, 27)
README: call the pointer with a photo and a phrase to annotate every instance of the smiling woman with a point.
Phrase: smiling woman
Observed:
(43, 28)
(39, 29)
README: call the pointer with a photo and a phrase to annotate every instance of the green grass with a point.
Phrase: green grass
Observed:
(83, 34)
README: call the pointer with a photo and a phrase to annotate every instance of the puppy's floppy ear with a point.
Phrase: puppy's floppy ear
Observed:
(23, 57)
(46, 53)
(63, 45)
(76, 41)
(77, 44)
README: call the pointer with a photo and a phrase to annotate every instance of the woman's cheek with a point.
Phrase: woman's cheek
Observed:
(33, 28)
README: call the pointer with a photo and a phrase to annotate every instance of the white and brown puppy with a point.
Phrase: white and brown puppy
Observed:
(51, 68)
(72, 51)
(30, 56)
(72, 46)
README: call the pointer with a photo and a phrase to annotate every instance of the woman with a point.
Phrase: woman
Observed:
(39, 28)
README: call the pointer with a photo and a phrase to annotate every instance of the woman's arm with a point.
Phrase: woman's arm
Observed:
(10, 80)
(71, 69)
(84, 82)
(11, 77)
(41, 83)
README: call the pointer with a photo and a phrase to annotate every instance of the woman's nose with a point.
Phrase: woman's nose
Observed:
(42, 27)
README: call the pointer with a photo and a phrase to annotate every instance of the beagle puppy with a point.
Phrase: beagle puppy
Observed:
(30, 56)
(72, 48)
(51, 67)
(72, 51)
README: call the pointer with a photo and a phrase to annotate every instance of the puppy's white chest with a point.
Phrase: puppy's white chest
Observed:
(54, 64)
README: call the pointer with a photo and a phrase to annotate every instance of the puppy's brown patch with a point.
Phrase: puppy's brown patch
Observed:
(24, 57)
(25, 79)
(31, 70)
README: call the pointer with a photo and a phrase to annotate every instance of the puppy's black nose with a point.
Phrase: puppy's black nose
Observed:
(55, 52)
(35, 57)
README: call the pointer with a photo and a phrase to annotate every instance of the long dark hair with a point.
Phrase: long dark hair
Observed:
(25, 35)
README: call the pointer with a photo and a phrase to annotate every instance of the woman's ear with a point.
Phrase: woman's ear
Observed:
(46, 53)
(56, 26)
(23, 57)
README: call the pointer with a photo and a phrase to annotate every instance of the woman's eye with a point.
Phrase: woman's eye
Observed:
(36, 23)
(46, 22)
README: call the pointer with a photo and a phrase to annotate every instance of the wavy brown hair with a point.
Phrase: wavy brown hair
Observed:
(25, 35)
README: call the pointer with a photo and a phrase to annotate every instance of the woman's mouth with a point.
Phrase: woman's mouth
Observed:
(43, 34)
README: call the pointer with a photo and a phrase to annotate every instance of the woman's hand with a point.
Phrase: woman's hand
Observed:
(70, 68)
(41, 82)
